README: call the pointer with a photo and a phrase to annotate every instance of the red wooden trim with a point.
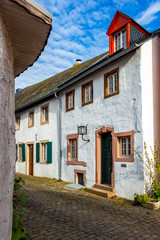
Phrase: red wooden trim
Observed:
(80, 163)
(111, 44)
(117, 146)
(98, 134)
(128, 35)
(76, 175)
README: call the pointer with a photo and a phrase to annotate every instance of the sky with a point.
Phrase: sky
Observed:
(79, 32)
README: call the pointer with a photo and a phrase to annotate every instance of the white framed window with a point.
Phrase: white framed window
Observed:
(125, 147)
(120, 40)
(70, 100)
(20, 152)
(17, 124)
(45, 114)
(112, 83)
(87, 93)
(31, 119)
(73, 149)
(44, 152)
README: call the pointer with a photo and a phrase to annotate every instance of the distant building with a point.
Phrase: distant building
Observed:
(116, 95)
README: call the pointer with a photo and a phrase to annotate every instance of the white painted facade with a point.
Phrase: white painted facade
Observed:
(130, 110)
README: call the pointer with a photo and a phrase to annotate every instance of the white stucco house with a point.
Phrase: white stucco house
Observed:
(116, 95)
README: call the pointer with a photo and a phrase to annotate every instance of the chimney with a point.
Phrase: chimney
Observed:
(78, 61)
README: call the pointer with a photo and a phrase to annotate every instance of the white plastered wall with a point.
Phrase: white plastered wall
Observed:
(44, 132)
(122, 112)
(147, 100)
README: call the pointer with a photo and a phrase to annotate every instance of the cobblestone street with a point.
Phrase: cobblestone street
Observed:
(57, 213)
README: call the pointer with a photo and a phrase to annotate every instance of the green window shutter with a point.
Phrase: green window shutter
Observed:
(49, 152)
(37, 153)
(23, 152)
(16, 152)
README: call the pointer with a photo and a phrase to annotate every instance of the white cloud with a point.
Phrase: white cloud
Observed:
(121, 3)
(149, 14)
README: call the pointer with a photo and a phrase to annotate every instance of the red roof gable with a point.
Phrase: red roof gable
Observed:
(120, 19)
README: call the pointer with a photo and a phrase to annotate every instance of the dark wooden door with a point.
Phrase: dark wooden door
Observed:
(31, 159)
(106, 165)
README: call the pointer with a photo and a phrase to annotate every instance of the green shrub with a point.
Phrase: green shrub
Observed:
(141, 198)
(18, 231)
(153, 166)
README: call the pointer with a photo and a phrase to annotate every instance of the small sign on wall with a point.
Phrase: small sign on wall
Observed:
(123, 165)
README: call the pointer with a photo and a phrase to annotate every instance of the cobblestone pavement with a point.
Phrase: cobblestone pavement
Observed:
(56, 213)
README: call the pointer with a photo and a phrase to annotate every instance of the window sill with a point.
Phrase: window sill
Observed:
(43, 123)
(69, 109)
(30, 126)
(84, 104)
(122, 159)
(76, 163)
(43, 163)
(111, 95)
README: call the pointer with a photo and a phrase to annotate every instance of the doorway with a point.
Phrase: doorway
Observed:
(106, 158)
(30, 158)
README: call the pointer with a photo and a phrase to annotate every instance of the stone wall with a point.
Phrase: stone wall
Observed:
(7, 132)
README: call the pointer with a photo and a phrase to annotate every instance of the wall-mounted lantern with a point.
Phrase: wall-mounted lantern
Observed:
(82, 130)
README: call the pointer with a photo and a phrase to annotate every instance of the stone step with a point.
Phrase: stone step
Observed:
(101, 192)
(104, 187)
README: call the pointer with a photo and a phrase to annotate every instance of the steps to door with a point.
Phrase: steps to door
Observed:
(102, 190)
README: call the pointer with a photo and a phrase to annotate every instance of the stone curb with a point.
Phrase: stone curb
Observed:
(151, 205)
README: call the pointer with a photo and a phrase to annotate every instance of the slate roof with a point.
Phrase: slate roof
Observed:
(47, 87)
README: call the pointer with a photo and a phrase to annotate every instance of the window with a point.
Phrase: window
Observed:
(120, 40)
(17, 127)
(72, 150)
(21, 152)
(45, 152)
(31, 119)
(70, 100)
(124, 147)
(45, 114)
(111, 83)
(80, 177)
(87, 93)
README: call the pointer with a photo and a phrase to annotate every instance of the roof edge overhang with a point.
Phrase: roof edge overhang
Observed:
(126, 19)
(29, 26)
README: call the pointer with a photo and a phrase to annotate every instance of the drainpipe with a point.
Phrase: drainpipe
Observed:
(60, 135)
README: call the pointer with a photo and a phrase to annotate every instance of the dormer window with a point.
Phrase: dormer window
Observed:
(120, 40)
(124, 32)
